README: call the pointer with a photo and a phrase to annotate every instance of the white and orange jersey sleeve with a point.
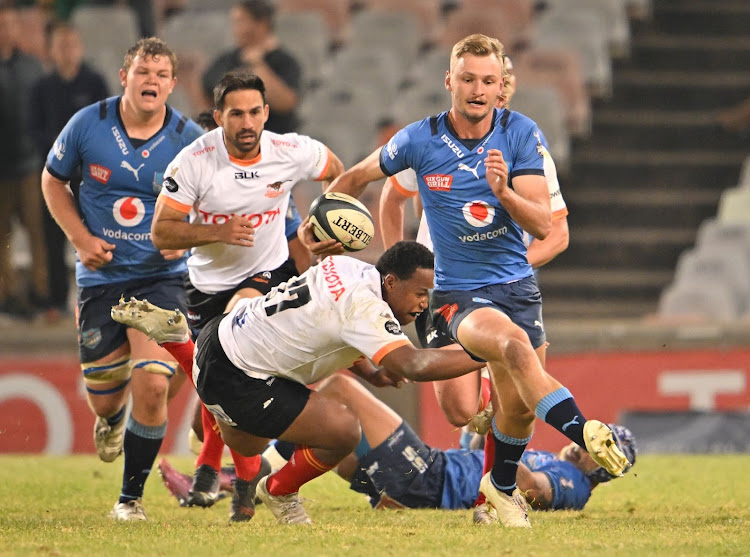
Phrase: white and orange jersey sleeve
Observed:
(557, 203)
(405, 182)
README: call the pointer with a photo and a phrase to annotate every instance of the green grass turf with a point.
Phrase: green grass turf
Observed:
(667, 505)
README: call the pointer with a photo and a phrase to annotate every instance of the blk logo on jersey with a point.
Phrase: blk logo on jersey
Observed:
(129, 211)
(246, 175)
(478, 213)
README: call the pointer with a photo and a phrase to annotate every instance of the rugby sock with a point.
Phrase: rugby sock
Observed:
(485, 392)
(301, 468)
(117, 417)
(213, 444)
(141, 445)
(489, 461)
(559, 409)
(183, 353)
(245, 467)
(508, 452)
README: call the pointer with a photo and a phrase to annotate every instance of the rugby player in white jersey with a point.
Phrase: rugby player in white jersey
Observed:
(235, 183)
(253, 365)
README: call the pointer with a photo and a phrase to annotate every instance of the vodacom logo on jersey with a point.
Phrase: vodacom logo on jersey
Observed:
(129, 211)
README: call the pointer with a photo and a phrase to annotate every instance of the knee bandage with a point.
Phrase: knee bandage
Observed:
(157, 367)
(98, 374)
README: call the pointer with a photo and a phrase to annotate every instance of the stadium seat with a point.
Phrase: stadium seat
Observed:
(561, 69)
(369, 68)
(386, 31)
(744, 181)
(544, 106)
(338, 103)
(582, 33)
(307, 37)
(336, 14)
(713, 233)
(205, 33)
(614, 17)
(490, 21)
(420, 101)
(107, 32)
(692, 301)
(713, 266)
(221, 5)
(734, 206)
(426, 12)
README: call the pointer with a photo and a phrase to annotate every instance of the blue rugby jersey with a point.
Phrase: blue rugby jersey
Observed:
(120, 185)
(571, 488)
(476, 242)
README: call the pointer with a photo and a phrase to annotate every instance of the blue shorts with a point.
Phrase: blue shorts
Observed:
(404, 469)
(99, 334)
(519, 300)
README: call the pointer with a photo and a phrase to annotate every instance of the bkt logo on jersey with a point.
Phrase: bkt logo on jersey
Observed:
(129, 211)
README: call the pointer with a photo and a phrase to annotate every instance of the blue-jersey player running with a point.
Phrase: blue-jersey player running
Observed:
(122, 146)
(481, 180)
(396, 469)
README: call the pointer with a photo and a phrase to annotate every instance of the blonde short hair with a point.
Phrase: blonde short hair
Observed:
(481, 45)
(152, 47)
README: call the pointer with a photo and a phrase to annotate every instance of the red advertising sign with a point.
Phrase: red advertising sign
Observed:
(605, 385)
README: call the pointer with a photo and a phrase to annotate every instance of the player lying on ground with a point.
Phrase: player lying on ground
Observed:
(394, 468)
(252, 365)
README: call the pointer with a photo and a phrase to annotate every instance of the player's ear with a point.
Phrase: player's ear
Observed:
(217, 117)
(448, 80)
(266, 112)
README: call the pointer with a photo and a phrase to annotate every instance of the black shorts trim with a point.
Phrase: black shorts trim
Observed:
(261, 407)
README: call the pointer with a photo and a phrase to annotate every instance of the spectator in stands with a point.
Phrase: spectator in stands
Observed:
(20, 195)
(70, 86)
(258, 50)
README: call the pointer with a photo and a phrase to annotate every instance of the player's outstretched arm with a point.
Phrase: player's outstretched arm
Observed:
(428, 364)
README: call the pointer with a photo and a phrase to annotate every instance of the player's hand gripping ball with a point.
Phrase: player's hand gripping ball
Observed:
(337, 216)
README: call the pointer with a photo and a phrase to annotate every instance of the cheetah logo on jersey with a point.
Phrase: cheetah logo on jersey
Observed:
(126, 165)
(274, 190)
(467, 168)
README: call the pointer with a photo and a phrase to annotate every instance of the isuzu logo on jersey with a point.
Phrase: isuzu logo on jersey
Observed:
(120, 140)
(129, 211)
(455, 148)
(478, 213)
(438, 182)
(100, 173)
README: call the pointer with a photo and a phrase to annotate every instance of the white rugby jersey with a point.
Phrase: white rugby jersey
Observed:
(315, 324)
(210, 185)
(406, 183)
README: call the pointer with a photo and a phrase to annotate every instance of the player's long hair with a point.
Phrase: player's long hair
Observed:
(153, 47)
(402, 259)
(481, 45)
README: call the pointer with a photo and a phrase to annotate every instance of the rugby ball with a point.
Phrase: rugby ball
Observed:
(341, 217)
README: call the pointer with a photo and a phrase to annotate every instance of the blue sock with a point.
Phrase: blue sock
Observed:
(465, 440)
(285, 448)
(141, 445)
(117, 416)
(508, 452)
(559, 409)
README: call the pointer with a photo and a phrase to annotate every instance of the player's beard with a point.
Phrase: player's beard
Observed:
(242, 145)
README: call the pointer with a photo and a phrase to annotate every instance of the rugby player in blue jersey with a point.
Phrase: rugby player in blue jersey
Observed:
(395, 469)
(122, 145)
(481, 182)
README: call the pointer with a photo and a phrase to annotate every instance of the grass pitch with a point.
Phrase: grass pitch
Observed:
(668, 505)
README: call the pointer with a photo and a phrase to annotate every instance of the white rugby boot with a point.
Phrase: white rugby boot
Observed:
(159, 324)
(512, 511)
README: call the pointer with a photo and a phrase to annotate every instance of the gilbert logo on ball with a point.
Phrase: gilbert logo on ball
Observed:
(337, 216)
